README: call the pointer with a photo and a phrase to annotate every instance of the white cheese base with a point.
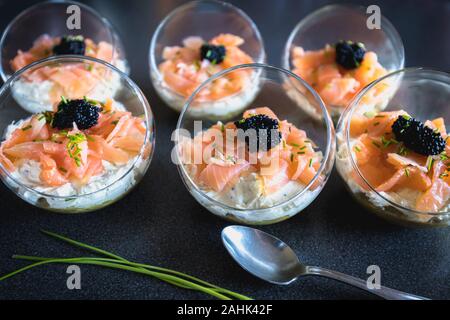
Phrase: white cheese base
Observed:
(246, 196)
(34, 96)
(74, 198)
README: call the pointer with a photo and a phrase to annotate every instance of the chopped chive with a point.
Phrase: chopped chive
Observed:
(73, 147)
(64, 100)
(301, 152)
(295, 145)
(429, 162)
(407, 172)
(115, 122)
(376, 123)
(303, 148)
(292, 157)
(310, 162)
(27, 127)
(357, 148)
(376, 144)
(62, 169)
(403, 151)
(443, 175)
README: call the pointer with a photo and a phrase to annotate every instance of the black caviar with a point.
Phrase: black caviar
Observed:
(418, 137)
(349, 54)
(266, 131)
(212, 53)
(70, 45)
(81, 111)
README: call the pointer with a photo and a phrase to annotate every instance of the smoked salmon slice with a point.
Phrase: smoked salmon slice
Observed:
(216, 177)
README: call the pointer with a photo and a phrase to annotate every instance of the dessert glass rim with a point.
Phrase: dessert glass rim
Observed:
(388, 27)
(326, 154)
(44, 3)
(149, 133)
(351, 108)
(151, 56)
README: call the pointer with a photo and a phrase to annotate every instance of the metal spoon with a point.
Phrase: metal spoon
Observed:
(272, 260)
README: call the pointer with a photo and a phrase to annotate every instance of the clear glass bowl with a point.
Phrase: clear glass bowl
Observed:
(50, 18)
(336, 22)
(425, 95)
(205, 19)
(275, 85)
(99, 193)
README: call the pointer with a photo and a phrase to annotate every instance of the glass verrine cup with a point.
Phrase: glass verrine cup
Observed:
(250, 194)
(321, 30)
(86, 153)
(179, 62)
(35, 33)
(424, 95)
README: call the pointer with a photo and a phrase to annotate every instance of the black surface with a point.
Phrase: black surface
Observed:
(160, 223)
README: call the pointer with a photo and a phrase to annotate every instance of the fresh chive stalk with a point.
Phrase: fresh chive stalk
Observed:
(114, 261)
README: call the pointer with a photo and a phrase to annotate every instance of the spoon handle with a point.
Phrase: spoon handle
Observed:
(384, 292)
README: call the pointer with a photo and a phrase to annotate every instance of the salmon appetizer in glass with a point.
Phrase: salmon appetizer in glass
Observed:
(46, 46)
(396, 161)
(337, 72)
(401, 158)
(404, 158)
(185, 67)
(47, 85)
(256, 162)
(80, 148)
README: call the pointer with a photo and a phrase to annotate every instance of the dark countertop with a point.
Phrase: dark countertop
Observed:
(160, 223)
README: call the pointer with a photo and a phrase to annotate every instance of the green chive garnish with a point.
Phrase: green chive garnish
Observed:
(110, 260)
(429, 162)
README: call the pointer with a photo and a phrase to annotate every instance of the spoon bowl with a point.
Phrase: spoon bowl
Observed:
(263, 255)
